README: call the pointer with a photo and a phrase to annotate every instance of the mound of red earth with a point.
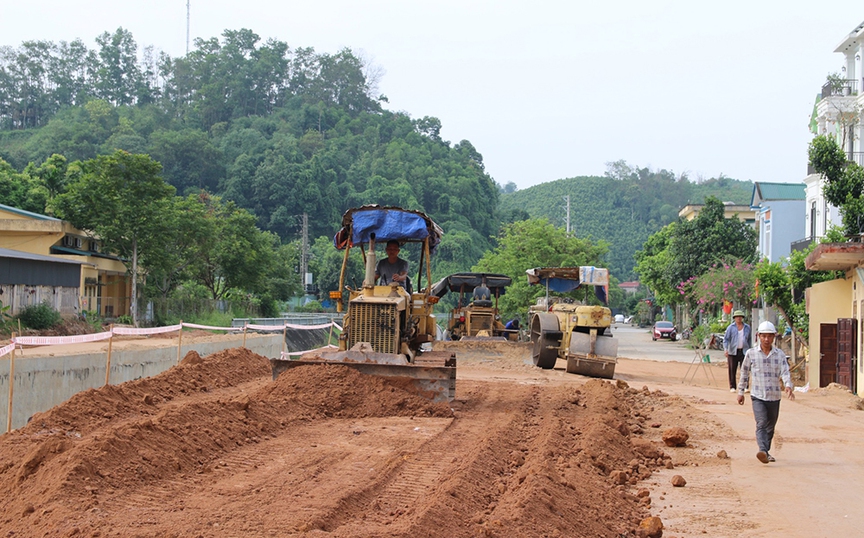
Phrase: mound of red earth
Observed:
(192, 452)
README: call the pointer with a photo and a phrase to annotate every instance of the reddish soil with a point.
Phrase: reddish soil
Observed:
(214, 447)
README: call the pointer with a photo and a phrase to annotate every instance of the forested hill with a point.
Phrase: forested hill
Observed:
(623, 208)
(279, 131)
(282, 132)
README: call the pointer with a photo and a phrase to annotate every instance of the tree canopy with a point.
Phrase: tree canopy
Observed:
(120, 198)
(688, 249)
(844, 181)
(623, 208)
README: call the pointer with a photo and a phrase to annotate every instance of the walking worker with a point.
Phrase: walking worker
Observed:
(736, 342)
(768, 366)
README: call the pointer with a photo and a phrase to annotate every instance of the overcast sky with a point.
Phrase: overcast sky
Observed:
(543, 89)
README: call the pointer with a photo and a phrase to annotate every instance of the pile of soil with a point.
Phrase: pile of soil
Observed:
(189, 452)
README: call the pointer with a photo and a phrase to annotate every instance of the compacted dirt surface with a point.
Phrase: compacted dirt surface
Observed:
(215, 447)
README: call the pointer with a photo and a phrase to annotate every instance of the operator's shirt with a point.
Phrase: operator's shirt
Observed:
(386, 270)
(767, 372)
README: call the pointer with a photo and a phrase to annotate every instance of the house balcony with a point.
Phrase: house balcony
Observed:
(802, 244)
(843, 88)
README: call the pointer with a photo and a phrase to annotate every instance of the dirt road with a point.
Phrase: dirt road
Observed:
(214, 447)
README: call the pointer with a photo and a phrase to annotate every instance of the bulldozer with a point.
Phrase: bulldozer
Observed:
(475, 318)
(562, 328)
(387, 329)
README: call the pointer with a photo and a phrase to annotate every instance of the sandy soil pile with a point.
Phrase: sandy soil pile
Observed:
(214, 447)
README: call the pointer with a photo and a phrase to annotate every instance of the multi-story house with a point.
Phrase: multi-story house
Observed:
(836, 307)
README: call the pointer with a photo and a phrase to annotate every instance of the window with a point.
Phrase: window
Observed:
(812, 221)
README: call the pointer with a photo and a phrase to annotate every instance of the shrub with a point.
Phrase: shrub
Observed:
(39, 316)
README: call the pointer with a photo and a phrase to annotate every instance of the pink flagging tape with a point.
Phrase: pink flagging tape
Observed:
(211, 328)
(266, 327)
(149, 330)
(290, 326)
(285, 355)
(7, 350)
(60, 340)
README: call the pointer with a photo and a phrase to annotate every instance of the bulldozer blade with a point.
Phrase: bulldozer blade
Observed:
(592, 355)
(433, 378)
(483, 339)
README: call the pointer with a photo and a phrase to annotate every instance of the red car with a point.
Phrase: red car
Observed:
(664, 329)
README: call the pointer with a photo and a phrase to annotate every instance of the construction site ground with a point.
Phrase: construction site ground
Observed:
(215, 447)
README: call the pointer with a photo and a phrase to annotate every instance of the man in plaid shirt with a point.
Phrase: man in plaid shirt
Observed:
(768, 365)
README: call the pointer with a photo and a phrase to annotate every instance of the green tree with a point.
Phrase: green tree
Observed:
(695, 245)
(121, 199)
(235, 254)
(535, 243)
(19, 190)
(844, 181)
(652, 265)
(782, 285)
(53, 174)
(185, 225)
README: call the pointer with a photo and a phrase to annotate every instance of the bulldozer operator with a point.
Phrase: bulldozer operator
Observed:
(392, 268)
(482, 293)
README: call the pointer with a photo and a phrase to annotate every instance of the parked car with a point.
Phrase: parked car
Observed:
(664, 329)
(619, 318)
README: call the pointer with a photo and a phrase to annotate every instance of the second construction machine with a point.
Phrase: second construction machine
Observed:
(387, 329)
(475, 318)
(564, 328)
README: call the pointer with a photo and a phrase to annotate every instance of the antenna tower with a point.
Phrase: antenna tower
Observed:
(304, 251)
(187, 27)
(567, 216)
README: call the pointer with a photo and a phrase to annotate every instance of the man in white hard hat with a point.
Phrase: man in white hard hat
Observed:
(768, 365)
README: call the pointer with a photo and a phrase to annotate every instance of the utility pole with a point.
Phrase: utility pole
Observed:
(567, 217)
(187, 27)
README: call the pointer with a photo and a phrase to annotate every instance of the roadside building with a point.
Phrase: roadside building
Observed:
(835, 308)
(779, 208)
(102, 286)
(745, 213)
(630, 288)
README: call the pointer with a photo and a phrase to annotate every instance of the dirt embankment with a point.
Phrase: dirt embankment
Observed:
(214, 447)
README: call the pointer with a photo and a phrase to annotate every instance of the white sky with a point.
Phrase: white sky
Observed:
(543, 89)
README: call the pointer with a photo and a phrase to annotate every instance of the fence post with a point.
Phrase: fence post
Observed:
(11, 384)
(108, 361)
(179, 341)
(284, 336)
(245, 325)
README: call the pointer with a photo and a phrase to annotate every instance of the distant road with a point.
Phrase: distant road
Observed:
(636, 343)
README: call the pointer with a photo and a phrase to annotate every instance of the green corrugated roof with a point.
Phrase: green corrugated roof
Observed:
(778, 191)
(25, 213)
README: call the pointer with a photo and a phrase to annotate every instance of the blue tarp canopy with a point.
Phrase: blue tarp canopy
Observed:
(565, 279)
(387, 223)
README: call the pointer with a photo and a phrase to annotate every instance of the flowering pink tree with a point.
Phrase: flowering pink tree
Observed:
(734, 282)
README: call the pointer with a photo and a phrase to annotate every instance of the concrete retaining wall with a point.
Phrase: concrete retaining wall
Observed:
(45, 381)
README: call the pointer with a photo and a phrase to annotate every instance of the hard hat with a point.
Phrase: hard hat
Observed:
(737, 313)
(767, 327)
